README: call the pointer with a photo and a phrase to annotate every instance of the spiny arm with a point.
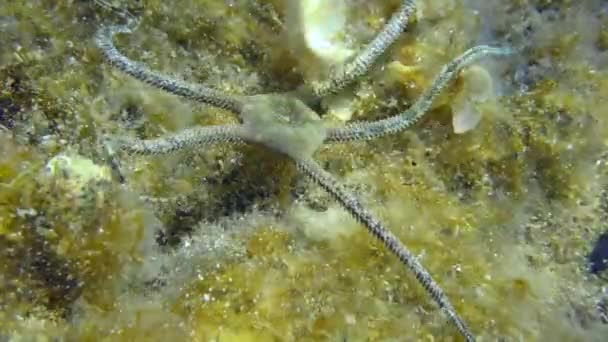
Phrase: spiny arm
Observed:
(391, 242)
(103, 39)
(189, 138)
(359, 66)
(371, 130)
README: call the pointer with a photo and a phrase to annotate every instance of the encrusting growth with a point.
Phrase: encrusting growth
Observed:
(284, 123)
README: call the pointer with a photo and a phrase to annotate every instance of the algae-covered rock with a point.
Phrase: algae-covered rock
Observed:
(77, 177)
(235, 246)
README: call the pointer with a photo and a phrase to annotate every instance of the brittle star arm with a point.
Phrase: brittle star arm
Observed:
(193, 137)
(103, 39)
(188, 138)
(390, 241)
(359, 66)
(371, 130)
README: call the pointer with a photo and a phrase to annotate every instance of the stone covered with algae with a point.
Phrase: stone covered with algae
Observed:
(232, 245)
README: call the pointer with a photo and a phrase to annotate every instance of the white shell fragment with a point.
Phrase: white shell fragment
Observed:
(465, 117)
(320, 24)
(478, 88)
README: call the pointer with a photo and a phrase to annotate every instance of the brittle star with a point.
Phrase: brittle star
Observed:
(283, 122)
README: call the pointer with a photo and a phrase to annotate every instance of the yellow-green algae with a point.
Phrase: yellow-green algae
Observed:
(502, 216)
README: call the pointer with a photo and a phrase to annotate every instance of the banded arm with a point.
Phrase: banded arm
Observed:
(189, 138)
(311, 169)
(103, 40)
(371, 130)
(360, 65)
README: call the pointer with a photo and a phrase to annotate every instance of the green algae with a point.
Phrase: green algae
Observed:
(502, 216)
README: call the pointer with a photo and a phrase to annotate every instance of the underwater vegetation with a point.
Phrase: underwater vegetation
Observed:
(499, 190)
